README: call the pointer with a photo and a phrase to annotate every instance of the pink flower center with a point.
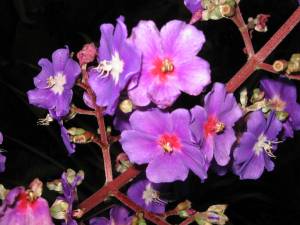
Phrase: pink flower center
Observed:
(169, 142)
(25, 202)
(213, 126)
(277, 104)
(162, 69)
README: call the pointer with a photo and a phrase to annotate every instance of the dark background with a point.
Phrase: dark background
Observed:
(32, 29)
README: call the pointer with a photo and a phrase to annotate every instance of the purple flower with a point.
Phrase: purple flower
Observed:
(212, 125)
(146, 194)
(70, 180)
(256, 146)
(170, 63)
(193, 5)
(20, 208)
(164, 141)
(118, 216)
(54, 83)
(118, 62)
(2, 157)
(282, 97)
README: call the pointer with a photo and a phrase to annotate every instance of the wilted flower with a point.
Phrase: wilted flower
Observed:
(164, 141)
(170, 63)
(212, 125)
(147, 195)
(118, 216)
(87, 54)
(25, 207)
(257, 146)
(54, 83)
(282, 99)
(118, 62)
(2, 157)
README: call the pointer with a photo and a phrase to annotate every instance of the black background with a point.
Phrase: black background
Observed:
(32, 29)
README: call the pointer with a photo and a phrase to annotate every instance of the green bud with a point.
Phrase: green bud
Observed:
(55, 185)
(183, 205)
(3, 192)
(59, 209)
(36, 188)
(282, 116)
(183, 214)
(257, 95)
(74, 131)
(244, 97)
(126, 106)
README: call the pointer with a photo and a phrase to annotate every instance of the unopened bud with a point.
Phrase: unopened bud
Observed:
(78, 213)
(122, 163)
(55, 185)
(280, 65)
(226, 10)
(3, 192)
(183, 214)
(257, 96)
(294, 64)
(183, 205)
(282, 116)
(126, 106)
(244, 97)
(36, 187)
(59, 209)
(80, 136)
(87, 54)
(71, 114)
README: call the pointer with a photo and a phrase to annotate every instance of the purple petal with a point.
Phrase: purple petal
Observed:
(72, 71)
(120, 33)
(106, 42)
(41, 80)
(138, 94)
(42, 98)
(65, 137)
(59, 59)
(136, 190)
(245, 150)
(181, 40)
(223, 144)
(215, 99)
(256, 123)
(193, 158)
(294, 115)
(99, 221)
(119, 215)
(167, 168)
(147, 38)
(254, 168)
(63, 103)
(274, 126)
(153, 122)
(269, 164)
(193, 5)
(2, 162)
(207, 147)
(181, 120)
(199, 117)
(193, 75)
(140, 147)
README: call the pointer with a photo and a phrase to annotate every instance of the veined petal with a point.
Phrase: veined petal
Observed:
(59, 59)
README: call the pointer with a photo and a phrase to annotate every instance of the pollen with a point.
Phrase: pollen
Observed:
(167, 66)
(277, 104)
(169, 142)
(213, 126)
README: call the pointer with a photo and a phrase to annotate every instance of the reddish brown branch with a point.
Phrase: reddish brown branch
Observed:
(84, 111)
(148, 215)
(241, 76)
(102, 129)
(240, 23)
(105, 191)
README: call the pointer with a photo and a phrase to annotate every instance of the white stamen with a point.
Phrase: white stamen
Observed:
(45, 121)
(263, 144)
(150, 195)
(56, 83)
(114, 67)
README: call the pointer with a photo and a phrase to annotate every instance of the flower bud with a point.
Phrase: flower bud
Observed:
(183, 214)
(294, 64)
(226, 10)
(257, 95)
(80, 136)
(244, 97)
(126, 106)
(280, 65)
(55, 185)
(282, 116)
(78, 213)
(71, 175)
(3, 192)
(59, 209)
(122, 163)
(183, 205)
(87, 54)
(36, 187)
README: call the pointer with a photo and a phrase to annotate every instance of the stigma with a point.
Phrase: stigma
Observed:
(263, 144)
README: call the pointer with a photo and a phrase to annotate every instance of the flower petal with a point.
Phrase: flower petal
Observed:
(41, 98)
(59, 59)
(140, 147)
(167, 168)
(41, 80)
(181, 119)
(199, 117)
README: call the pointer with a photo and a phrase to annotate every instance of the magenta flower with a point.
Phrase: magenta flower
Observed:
(118, 62)
(170, 63)
(282, 96)
(20, 208)
(118, 216)
(54, 83)
(256, 146)
(2, 157)
(193, 5)
(146, 194)
(212, 125)
(164, 141)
